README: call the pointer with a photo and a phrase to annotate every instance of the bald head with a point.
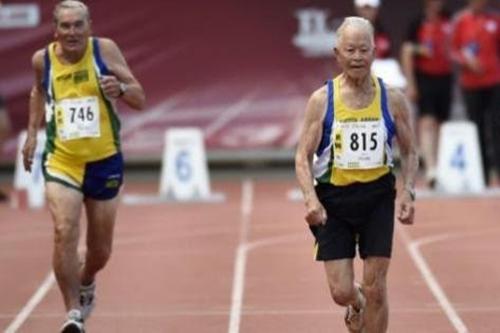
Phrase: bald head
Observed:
(355, 24)
(71, 4)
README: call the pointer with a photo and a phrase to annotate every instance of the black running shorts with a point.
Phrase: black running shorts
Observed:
(434, 95)
(359, 214)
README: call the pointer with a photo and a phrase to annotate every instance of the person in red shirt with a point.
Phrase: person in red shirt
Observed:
(476, 49)
(369, 10)
(428, 70)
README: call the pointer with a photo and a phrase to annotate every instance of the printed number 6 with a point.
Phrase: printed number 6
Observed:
(183, 166)
(458, 158)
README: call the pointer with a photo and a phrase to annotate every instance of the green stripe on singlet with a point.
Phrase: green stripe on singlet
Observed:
(51, 128)
(327, 176)
(113, 119)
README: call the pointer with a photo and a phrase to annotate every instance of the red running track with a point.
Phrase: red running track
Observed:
(246, 266)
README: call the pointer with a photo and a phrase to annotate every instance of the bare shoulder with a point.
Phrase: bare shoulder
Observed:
(317, 102)
(395, 94)
(109, 49)
(397, 101)
(319, 94)
(313, 117)
(38, 59)
(111, 54)
(107, 44)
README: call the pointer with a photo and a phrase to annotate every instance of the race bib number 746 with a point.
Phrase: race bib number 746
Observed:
(359, 145)
(78, 118)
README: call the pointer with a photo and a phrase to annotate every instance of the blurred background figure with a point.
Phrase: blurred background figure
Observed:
(4, 132)
(475, 47)
(369, 9)
(428, 70)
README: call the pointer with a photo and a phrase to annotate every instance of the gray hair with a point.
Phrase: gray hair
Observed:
(358, 23)
(71, 4)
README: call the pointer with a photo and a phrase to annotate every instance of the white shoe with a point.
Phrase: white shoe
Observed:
(87, 299)
(73, 323)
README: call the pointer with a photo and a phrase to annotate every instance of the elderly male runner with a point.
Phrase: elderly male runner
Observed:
(349, 125)
(78, 79)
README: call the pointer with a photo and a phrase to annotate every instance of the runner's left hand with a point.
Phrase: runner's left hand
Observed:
(406, 211)
(110, 85)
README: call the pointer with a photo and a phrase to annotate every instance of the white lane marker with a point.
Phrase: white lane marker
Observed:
(228, 115)
(241, 258)
(32, 303)
(413, 247)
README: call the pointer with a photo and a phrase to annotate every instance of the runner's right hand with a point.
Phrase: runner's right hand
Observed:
(316, 213)
(28, 152)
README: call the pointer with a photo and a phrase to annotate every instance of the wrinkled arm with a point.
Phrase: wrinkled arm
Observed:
(408, 149)
(36, 110)
(134, 95)
(308, 143)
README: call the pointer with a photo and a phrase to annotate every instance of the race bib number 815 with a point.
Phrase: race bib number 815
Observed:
(359, 145)
(78, 118)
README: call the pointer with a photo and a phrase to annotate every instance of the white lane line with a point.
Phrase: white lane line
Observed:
(413, 247)
(136, 121)
(32, 303)
(228, 115)
(274, 240)
(438, 195)
(257, 312)
(241, 258)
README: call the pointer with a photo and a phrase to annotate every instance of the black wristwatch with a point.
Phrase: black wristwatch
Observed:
(411, 192)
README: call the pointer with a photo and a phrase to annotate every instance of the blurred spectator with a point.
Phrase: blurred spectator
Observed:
(369, 9)
(476, 48)
(4, 132)
(428, 69)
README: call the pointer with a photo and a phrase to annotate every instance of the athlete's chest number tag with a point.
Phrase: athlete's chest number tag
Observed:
(78, 118)
(359, 145)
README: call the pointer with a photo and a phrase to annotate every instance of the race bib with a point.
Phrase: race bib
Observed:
(78, 118)
(359, 145)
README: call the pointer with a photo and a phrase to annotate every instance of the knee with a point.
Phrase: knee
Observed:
(342, 295)
(65, 232)
(375, 293)
(100, 255)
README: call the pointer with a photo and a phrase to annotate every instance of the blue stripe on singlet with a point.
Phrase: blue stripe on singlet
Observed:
(103, 69)
(389, 123)
(327, 122)
(46, 75)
